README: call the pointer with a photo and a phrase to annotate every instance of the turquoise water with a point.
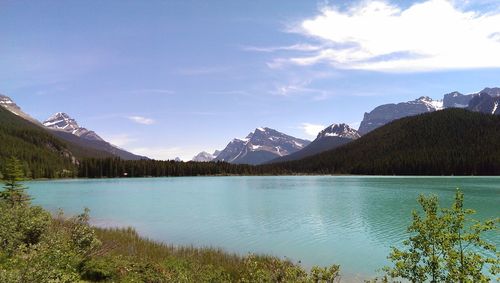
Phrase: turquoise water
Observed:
(351, 221)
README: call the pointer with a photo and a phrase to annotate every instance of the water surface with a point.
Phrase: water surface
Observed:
(351, 221)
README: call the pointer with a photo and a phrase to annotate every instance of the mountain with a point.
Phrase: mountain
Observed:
(81, 142)
(456, 100)
(485, 103)
(7, 103)
(42, 155)
(63, 122)
(386, 113)
(260, 146)
(66, 128)
(330, 138)
(449, 142)
(205, 156)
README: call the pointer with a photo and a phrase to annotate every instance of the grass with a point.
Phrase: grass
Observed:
(127, 242)
(192, 264)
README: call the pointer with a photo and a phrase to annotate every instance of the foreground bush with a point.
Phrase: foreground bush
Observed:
(446, 245)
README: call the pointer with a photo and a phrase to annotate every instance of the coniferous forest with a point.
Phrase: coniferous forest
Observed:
(448, 142)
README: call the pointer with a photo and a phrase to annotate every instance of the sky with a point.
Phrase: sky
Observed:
(172, 78)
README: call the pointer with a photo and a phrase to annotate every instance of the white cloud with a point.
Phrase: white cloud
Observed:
(311, 130)
(141, 120)
(299, 87)
(294, 47)
(379, 36)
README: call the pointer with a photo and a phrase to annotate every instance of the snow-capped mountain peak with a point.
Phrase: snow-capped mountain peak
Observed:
(63, 122)
(339, 130)
(259, 146)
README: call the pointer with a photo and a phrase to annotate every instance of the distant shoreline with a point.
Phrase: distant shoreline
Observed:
(290, 175)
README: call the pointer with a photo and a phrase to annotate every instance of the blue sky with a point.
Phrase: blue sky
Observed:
(173, 78)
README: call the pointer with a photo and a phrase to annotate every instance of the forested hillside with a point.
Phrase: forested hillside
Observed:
(42, 154)
(447, 142)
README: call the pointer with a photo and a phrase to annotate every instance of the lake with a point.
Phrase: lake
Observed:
(317, 220)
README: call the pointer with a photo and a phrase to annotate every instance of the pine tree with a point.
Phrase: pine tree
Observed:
(14, 192)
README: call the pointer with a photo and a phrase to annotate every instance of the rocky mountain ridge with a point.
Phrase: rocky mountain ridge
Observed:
(260, 146)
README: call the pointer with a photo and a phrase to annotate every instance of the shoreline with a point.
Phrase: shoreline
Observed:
(291, 175)
(347, 277)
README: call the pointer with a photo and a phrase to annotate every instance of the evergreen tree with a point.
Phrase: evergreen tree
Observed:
(14, 192)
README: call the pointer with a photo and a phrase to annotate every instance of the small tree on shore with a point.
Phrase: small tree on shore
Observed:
(445, 246)
(14, 192)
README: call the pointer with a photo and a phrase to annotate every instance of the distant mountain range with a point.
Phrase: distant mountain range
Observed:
(252, 151)
(84, 143)
(386, 113)
(263, 145)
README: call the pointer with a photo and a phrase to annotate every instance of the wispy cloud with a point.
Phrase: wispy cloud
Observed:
(380, 36)
(311, 130)
(294, 47)
(141, 120)
(300, 87)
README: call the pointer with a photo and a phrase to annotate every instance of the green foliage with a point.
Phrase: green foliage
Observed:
(325, 274)
(445, 246)
(14, 192)
(115, 167)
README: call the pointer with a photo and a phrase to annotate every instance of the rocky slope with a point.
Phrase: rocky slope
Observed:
(386, 113)
(330, 138)
(260, 146)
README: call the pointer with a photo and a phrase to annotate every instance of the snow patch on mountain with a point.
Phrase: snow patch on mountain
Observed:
(431, 104)
(339, 130)
(259, 146)
(63, 122)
